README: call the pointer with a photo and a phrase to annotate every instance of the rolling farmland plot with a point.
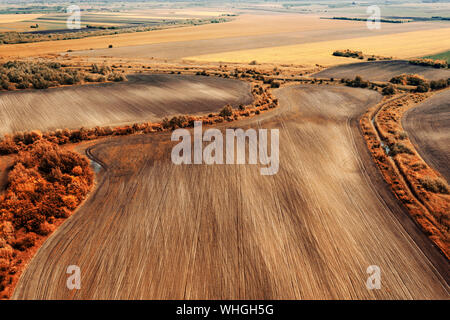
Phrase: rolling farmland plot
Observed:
(405, 45)
(428, 124)
(143, 98)
(226, 232)
(284, 38)
(382, 71)
(350, 191)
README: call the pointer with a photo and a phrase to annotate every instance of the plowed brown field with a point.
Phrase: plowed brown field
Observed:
(153, 230)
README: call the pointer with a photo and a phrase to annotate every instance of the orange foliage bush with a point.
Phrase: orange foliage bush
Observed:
(421, 190)
(46, 183)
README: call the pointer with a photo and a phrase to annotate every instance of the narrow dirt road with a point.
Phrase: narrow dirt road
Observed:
(428, 125)
(153, 230)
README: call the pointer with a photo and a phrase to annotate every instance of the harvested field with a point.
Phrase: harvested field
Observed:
(10, 18)
(153, 230)
(188, 48)
(405, 45)
(142, 98)
(249, 31)
(428, 126)
(382, 71)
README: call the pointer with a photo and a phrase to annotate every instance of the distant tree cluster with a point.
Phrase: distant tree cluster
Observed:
(91, 31)
(45, 183)
(42, 75)
(422, 85)
(358, 82)
(358, 55)
(39, 75)
(348, 53)
(439, 64)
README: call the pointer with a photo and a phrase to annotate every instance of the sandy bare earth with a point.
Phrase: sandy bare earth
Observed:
(382, 71)
(428, 126)
(154, 230)
(142, 98)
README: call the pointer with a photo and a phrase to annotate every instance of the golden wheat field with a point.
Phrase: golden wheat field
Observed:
(404, 45)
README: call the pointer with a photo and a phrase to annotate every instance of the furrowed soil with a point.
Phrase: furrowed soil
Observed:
(428, 126)
(142, 98)
(154, 230)
(382, 71)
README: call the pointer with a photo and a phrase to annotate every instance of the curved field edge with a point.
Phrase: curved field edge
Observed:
(403, 168)
(428, 128)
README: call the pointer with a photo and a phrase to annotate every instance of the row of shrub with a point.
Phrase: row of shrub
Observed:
(349, 54)
(45, 183)
(42, 75)
(358, 55)
(422, 85)
(439, 64)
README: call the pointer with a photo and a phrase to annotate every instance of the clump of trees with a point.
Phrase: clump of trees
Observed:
(435, 185)
(39, 75)
(91, 31)
(45, 183)
(439, 64)
(422, 85)
(348, 53)
(43, 74)
(439, 84)
(358, 82)
(358, 55)
(388, 90)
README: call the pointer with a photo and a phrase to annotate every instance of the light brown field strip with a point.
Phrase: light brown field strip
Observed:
(153, 230)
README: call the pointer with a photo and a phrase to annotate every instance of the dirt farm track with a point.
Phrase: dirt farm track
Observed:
(151, 231)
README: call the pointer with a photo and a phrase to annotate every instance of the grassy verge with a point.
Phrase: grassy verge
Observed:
(421, 189)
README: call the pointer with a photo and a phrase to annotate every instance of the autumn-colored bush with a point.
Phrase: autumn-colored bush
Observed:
(227, 111)
(436, 185)
(439, 84)
(388, 90)
(348, 53)
(419, 187)
(44, 184)
(409, 79)
(358, 82)
(430, 63)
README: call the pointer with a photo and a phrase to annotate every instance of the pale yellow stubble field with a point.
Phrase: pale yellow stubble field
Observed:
(244, 25)
(10, 18)
(401, 45)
